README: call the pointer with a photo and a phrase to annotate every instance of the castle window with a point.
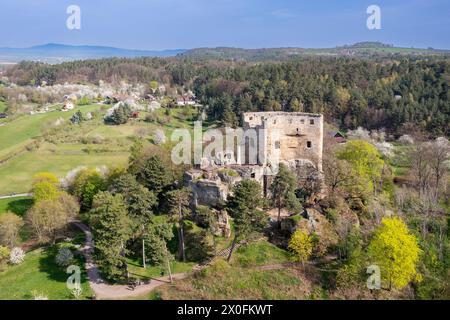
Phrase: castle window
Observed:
(277, 145)
(309, 144)
(251, 118)
(274, 121)
(311, 121)
(253, 175)
(302, 121)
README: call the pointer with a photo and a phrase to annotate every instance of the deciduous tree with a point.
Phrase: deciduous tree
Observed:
(49, 218)
(10, 225)
(396, 251)
(302, 245)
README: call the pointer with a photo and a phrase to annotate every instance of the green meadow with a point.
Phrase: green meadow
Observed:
(30, 143)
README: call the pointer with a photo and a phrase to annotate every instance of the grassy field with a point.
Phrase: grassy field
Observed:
(39, 273)
(59, 157)
(23, 130)
(244, 278)
(2, 106)
(136, 269)
(18, 206)
(17, 174)
(259, 254)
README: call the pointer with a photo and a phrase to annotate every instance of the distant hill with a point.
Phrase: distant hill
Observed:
(55, 53)
(360, 49)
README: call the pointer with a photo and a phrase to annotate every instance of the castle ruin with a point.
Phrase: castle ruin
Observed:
(270, 138)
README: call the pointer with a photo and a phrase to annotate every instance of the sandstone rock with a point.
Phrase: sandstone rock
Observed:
(221, 227)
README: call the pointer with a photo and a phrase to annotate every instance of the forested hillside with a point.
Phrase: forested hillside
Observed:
(394, 94)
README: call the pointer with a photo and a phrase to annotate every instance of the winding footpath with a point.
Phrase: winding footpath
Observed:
(103, 290)
(14, 195)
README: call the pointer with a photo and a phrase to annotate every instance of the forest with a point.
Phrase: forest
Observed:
(398, 95)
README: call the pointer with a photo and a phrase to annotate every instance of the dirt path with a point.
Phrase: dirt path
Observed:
(11, 196)
(103, 290)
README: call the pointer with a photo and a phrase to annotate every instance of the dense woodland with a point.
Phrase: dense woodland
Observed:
(393, 94)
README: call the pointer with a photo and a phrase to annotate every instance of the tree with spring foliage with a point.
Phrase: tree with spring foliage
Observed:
(396, 251)
(365, 163)
(49, 218)
(86, 185)
(10, 225)
(302, 245)
(45, 186)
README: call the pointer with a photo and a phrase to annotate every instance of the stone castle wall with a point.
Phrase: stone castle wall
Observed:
(290, 135)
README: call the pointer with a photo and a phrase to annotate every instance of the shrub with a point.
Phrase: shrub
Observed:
(10, 225)
(16, 256)
(159, 137)
(151, 118)
(302, 245)
(4, 255)
(76, 292)
(64, 257)
(406, 140)
(38, 295)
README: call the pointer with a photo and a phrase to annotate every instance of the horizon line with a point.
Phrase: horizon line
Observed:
(218, 46)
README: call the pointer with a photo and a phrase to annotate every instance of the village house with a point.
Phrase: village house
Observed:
(337, 136)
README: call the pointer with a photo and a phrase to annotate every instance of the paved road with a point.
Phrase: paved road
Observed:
(18, 195)
(103, 290)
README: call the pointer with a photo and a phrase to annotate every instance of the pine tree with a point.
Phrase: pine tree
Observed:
(179, 207)
(158, 234)
(112, 229)
(154, 175)
(244, 206)
(283, 188)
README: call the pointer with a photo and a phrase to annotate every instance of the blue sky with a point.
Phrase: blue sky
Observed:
(173, 24)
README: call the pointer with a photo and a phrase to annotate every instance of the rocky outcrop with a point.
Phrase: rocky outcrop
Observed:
(313, 222)
(209, 192)
(221, 226)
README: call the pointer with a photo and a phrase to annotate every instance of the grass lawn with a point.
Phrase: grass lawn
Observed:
(243, 278)
(258, 254)
(225, 282)
(2, 106)
(17, 174)
(40, 273)
(136, 269)
(18, 206)
(28, 127)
